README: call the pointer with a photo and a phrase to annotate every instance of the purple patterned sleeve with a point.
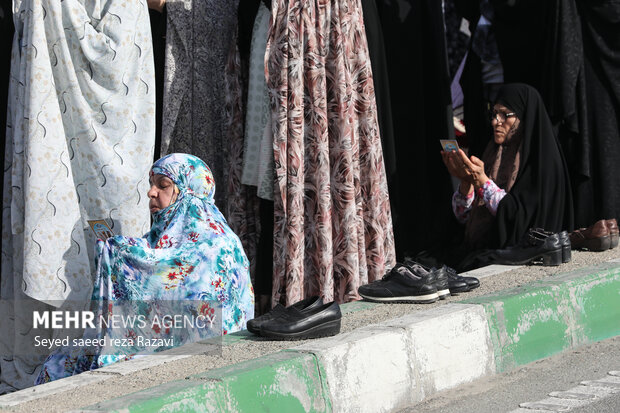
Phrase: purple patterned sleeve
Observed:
(461, 205)
(491, 194)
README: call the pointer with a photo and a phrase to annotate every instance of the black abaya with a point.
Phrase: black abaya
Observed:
(541, 195)
(158, 34)
(570, 51)
(415, 49)
(597, 195)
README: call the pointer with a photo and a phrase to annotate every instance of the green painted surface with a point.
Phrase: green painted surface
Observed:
(599, 310)
(281, 382)
(548, 316)
(355, 306)
(526, 327)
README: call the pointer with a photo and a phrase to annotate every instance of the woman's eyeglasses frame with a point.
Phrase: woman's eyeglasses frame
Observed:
(499, 116)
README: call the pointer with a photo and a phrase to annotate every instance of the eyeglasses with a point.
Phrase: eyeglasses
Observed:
(500, 117)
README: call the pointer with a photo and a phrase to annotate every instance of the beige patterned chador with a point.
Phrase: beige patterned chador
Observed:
(80, 142)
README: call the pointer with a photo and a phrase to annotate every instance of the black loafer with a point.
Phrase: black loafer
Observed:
(295, 324)
(306, 305)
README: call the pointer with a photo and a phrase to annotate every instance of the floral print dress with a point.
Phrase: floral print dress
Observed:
(332, 224)
(190, 253)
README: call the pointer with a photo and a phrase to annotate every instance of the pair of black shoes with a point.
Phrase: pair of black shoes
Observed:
(413, 283)
(539, 235)
(309, 318)
(537, 245)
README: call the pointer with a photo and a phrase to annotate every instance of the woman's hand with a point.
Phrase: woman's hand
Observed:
(469, 170)
(156, 4)
(453, 162)
(455, 165)
(475, 168)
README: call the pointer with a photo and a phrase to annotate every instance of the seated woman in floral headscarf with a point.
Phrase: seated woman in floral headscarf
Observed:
(190, 253)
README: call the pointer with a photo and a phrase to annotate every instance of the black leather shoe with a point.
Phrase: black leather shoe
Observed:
(437, 277)
(537, 235)
(306, 305)
(402, 284)
(548, 250)
(458, 283)
(440, 279)
(294, 324)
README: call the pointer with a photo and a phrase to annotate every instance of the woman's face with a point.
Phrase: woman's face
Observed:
(504, 123)
(162, 194)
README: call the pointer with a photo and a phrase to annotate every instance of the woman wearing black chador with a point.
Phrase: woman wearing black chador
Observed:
(521, 181)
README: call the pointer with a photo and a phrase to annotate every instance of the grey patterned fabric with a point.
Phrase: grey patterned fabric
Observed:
(198, 40)
(258, 143)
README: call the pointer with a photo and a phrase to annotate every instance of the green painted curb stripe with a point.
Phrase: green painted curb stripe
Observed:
(280, 382)
(546, 317)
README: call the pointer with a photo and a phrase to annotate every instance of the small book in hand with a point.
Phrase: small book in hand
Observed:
(449, 145)
(101, 229)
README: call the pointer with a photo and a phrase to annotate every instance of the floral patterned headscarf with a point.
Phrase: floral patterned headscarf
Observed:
(191, 175)
(196, 187)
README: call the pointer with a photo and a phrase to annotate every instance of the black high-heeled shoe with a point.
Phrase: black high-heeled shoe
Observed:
(547, 250)
(537, 235)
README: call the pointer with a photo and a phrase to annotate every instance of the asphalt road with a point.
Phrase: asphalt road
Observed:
(531, 385)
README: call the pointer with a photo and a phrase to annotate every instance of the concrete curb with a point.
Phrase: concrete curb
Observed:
(400, 362)
(552, 315)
